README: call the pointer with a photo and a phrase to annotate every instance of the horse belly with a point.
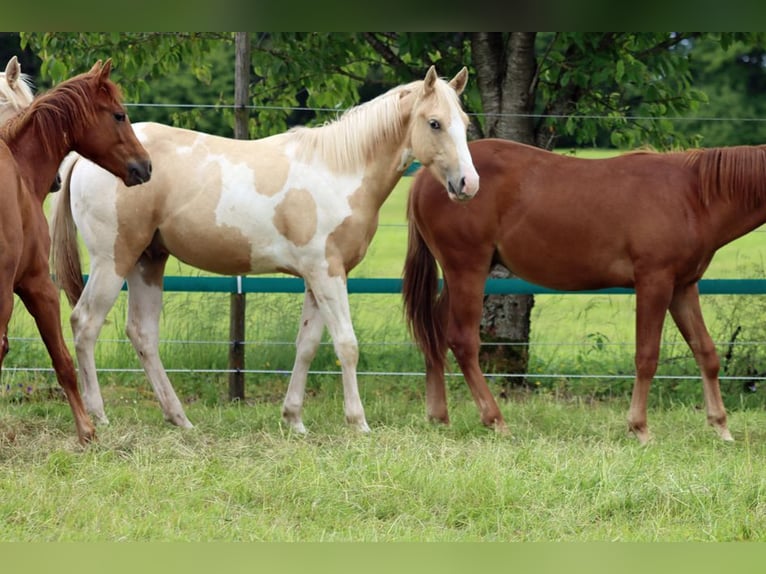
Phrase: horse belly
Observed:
(568, 265)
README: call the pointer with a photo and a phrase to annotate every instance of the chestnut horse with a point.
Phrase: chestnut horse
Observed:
(304, 202)
(650, 221)
(83, 114)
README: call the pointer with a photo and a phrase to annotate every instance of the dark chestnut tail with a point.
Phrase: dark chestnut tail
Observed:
(423, 304)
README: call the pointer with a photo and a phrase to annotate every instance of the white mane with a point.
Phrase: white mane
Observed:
(352, 139)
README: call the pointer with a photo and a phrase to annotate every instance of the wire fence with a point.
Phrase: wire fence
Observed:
(407, 345)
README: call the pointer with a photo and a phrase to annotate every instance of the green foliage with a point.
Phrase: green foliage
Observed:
(610, 89)
(731, 70)
(615, 88)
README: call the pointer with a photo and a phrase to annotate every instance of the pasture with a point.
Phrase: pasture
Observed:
(567, 472)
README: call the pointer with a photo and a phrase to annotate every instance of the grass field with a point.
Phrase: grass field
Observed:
(567, 472)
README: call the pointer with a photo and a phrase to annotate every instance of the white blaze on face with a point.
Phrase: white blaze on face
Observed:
(457, 133)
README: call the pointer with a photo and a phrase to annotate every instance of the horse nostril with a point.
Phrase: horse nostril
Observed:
(139, 172)
(462, 183)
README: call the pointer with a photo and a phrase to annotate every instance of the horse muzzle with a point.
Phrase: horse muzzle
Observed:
(462, 189)
(139, 171)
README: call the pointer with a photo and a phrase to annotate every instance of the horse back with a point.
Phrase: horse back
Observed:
(564, 222)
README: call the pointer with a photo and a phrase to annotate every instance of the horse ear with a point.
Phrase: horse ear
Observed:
(12, 71)
(107, 69)
(460, 80)
(96, 68)
(430, 81)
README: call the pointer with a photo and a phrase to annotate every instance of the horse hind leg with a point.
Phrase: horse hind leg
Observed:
(144, 308)
(306, 345)
(687, 314)
(86, 320)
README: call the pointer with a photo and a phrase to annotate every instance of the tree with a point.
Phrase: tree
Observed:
(732, 73)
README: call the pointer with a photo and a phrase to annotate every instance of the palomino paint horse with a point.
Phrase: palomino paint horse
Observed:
(304, 202)
(651, 221)
(15, 90)
(83, 114)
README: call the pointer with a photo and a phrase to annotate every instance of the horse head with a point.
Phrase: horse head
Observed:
(438, 134)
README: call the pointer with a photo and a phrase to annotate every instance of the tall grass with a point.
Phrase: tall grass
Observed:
(569, 473)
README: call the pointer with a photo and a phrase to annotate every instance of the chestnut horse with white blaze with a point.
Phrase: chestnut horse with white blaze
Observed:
(83, 114)
(304, 202)
(650, 221)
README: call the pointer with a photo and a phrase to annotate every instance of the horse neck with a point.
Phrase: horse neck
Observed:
(37, 166)
(732, 219)
(384, 171)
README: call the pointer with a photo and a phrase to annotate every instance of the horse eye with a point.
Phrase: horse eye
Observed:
(435, 125)
(119, 116)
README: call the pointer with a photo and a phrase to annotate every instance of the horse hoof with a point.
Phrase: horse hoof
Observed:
(87, 437)
(725, 435)
(360, 426)
(101, 420)
(642, 434)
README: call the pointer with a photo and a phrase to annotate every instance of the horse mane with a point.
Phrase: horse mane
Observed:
(731, 173)
(352, 139)
(61, 114)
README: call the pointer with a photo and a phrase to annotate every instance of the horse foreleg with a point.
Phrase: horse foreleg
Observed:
(464, 318)
(687, 314)
(144, 309)
(41, 299)
(332, 299)
(6, 309)
(652, 301)
(306, 345)
(87, 318)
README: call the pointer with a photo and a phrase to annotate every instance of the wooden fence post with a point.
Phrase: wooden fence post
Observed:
(237, 300)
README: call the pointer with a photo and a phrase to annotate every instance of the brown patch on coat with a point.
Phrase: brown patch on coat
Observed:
(347, 244)
(296, 217)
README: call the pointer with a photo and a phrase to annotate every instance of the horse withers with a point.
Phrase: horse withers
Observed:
(650, 221)
(83, 114)
(304, 202)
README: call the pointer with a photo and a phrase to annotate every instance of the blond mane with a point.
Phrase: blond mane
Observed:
(354, 137)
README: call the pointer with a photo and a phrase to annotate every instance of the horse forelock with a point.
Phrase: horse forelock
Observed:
(61, 115)
(353, 138)
(731, 173)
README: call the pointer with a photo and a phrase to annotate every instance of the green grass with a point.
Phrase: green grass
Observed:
(568, 473)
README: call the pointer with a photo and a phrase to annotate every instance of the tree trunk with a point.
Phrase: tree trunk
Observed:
(506, 68)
